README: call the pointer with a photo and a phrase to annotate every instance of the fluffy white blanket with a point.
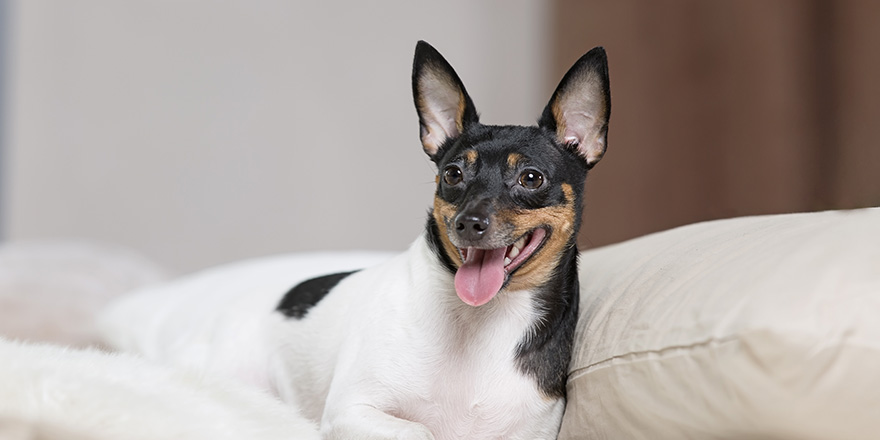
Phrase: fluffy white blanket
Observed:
(49, 392)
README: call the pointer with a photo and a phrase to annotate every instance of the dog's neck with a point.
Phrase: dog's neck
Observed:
(544, 350)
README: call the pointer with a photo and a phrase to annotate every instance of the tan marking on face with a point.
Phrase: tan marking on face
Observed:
(470, 157)
(539, 267)
(443, 212)
(560, 219)
(513, 159)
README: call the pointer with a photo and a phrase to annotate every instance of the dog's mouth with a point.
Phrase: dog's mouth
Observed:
(485, 271)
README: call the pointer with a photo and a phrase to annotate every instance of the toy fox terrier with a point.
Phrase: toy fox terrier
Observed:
(467, 334)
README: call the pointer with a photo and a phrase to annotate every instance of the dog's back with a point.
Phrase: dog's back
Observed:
(214, 320)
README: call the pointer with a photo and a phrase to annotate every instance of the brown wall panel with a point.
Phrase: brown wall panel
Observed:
(856, 57)
(722, 109)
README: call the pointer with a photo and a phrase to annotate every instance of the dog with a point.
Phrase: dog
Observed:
(467, 334)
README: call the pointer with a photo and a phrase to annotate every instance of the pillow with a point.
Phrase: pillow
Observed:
(756, 327)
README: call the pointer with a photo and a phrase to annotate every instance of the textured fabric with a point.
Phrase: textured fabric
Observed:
(757, 327)
(53, 393)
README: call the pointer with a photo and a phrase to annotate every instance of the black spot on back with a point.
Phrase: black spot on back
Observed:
(302, 297)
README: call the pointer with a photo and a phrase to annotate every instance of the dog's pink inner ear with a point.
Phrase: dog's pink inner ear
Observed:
(581, 123)
(441, 107)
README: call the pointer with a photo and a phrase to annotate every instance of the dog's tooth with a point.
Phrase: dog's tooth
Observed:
(519, 244)
(506, 261)
(514, 251)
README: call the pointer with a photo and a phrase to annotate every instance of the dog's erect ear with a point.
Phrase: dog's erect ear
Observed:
(444, 107)
(580, 107)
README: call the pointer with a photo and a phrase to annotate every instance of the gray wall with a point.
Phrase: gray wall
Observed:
(200, 132)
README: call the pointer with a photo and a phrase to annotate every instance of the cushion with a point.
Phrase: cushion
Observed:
(756, 327)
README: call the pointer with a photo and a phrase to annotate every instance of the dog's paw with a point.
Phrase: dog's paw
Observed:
(415, 432)
(369, 423)
(381, 428)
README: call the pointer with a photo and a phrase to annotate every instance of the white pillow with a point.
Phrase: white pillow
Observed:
(757, 327)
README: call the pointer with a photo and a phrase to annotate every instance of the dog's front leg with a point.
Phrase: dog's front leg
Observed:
(364, 422)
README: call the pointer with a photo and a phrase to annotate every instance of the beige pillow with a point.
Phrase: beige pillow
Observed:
(757, 327)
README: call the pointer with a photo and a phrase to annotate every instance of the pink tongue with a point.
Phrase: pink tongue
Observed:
(481, 275)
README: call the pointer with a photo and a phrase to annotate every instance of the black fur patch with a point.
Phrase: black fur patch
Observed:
(436, 244)
(302, 297)
(546, 352)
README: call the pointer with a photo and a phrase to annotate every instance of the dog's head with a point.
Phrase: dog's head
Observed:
(508, 201)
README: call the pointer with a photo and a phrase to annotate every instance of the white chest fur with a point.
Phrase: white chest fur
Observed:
(473, 387)
(397, 339)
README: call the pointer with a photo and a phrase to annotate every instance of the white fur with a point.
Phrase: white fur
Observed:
(391, 353)
(49, 392)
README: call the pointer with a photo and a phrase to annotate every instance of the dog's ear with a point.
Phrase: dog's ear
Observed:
(444, 107)
(580, 107)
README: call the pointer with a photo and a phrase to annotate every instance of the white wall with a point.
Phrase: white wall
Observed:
(200, 132)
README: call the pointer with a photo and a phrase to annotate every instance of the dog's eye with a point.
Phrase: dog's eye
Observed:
(531, 179)
(452, 175)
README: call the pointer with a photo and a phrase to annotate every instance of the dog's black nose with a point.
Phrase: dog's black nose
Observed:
(471, 226)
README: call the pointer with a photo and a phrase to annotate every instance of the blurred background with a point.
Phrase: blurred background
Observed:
(198, 132)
